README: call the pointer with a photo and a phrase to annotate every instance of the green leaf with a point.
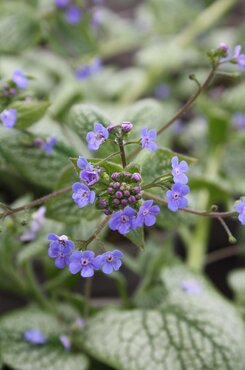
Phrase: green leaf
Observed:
(29, 112)
(137, 237)
(232, 98)
(236, 280)
(158, 163)
(20, 355)
(32, 163)
(19, 27)
(218, 128)
(187, 332)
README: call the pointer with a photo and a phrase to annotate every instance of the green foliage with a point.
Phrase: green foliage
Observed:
(20, 355)
(187, 331)
(236, 280)
(29, 113)
(19, 27)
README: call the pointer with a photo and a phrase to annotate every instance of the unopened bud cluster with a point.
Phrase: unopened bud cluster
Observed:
(123, 190)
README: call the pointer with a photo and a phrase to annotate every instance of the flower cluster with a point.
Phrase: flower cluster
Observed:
(62, 250)
(176, 196)
(87, 70)
(241, 210)
(18, 81)
(73, 13)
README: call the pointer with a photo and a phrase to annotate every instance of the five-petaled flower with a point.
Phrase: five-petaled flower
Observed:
(60, 248)
(178, 169)
(111, 261)
(97, 137)
(147, 214)
(89, 174)
(123, 221)
(176, 195)
(240, 208)
(147, 139)
(35, 336)
(82, 195)
(86, 262)
(8, 117)
(20, 79)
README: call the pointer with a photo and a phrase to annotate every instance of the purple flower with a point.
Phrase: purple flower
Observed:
(178, 169)
(236, 57)
(49, 144)
(34, 336)
(36, 224)
(83, 72)
(239, 120)
(147, 214)
(73, 14)
(123, 221)
(241, 210)
(111, 261)
(82, 195)
(97, 137)
(97, 17)
(66, 342)
(147, 139)
(20, 79)
(88, 174)
(223, 47)
(61, 3)
(80, 323)
(86, 262)
(8, 117)
(95, 65)
(191, 287)
(60, 248)
(175, 196)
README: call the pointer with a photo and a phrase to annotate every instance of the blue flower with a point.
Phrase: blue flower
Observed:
(65, 341)
(86, 262)
(241, 210)
(191, 287)
(147, 139)
(238, 119)
(175, 196)
(8, 117)
(20, 79)
(83, 72)
(88, 174)
(236, 57)
(123, 221)
(111, 261)
(36, 224)
(147, 214)
(97, 137)
(34, 336)
(60, 248)
(73, 14)
(48, 145)
(61, 3)
(178, 169)
(82, 195)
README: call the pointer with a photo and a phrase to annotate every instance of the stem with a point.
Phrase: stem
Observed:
(108, 157)
(224, 253)
(231, 238)
(186, 107)
(122, 152)
(34, 287)
(190, 210)
(87, 295)
(99, 228)
(36, 202)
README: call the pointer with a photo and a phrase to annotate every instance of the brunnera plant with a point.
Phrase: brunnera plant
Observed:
(129, 200)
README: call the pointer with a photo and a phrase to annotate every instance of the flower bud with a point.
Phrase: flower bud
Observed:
(116, 201)
(131, 199)
(224, 47)
(138, 196)
(126, 126)
(110, 190)
(103, 203)
(136, 177)
(111, 127)
(126, 193)
(107, 212)
(115, 175)
(38, 142)
(137, 189)
(116, 185)
(119, 194)
(124, 202)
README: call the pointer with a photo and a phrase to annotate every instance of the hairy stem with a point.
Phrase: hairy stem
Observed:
(98, 230)
(190, 210)
(122, 152)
